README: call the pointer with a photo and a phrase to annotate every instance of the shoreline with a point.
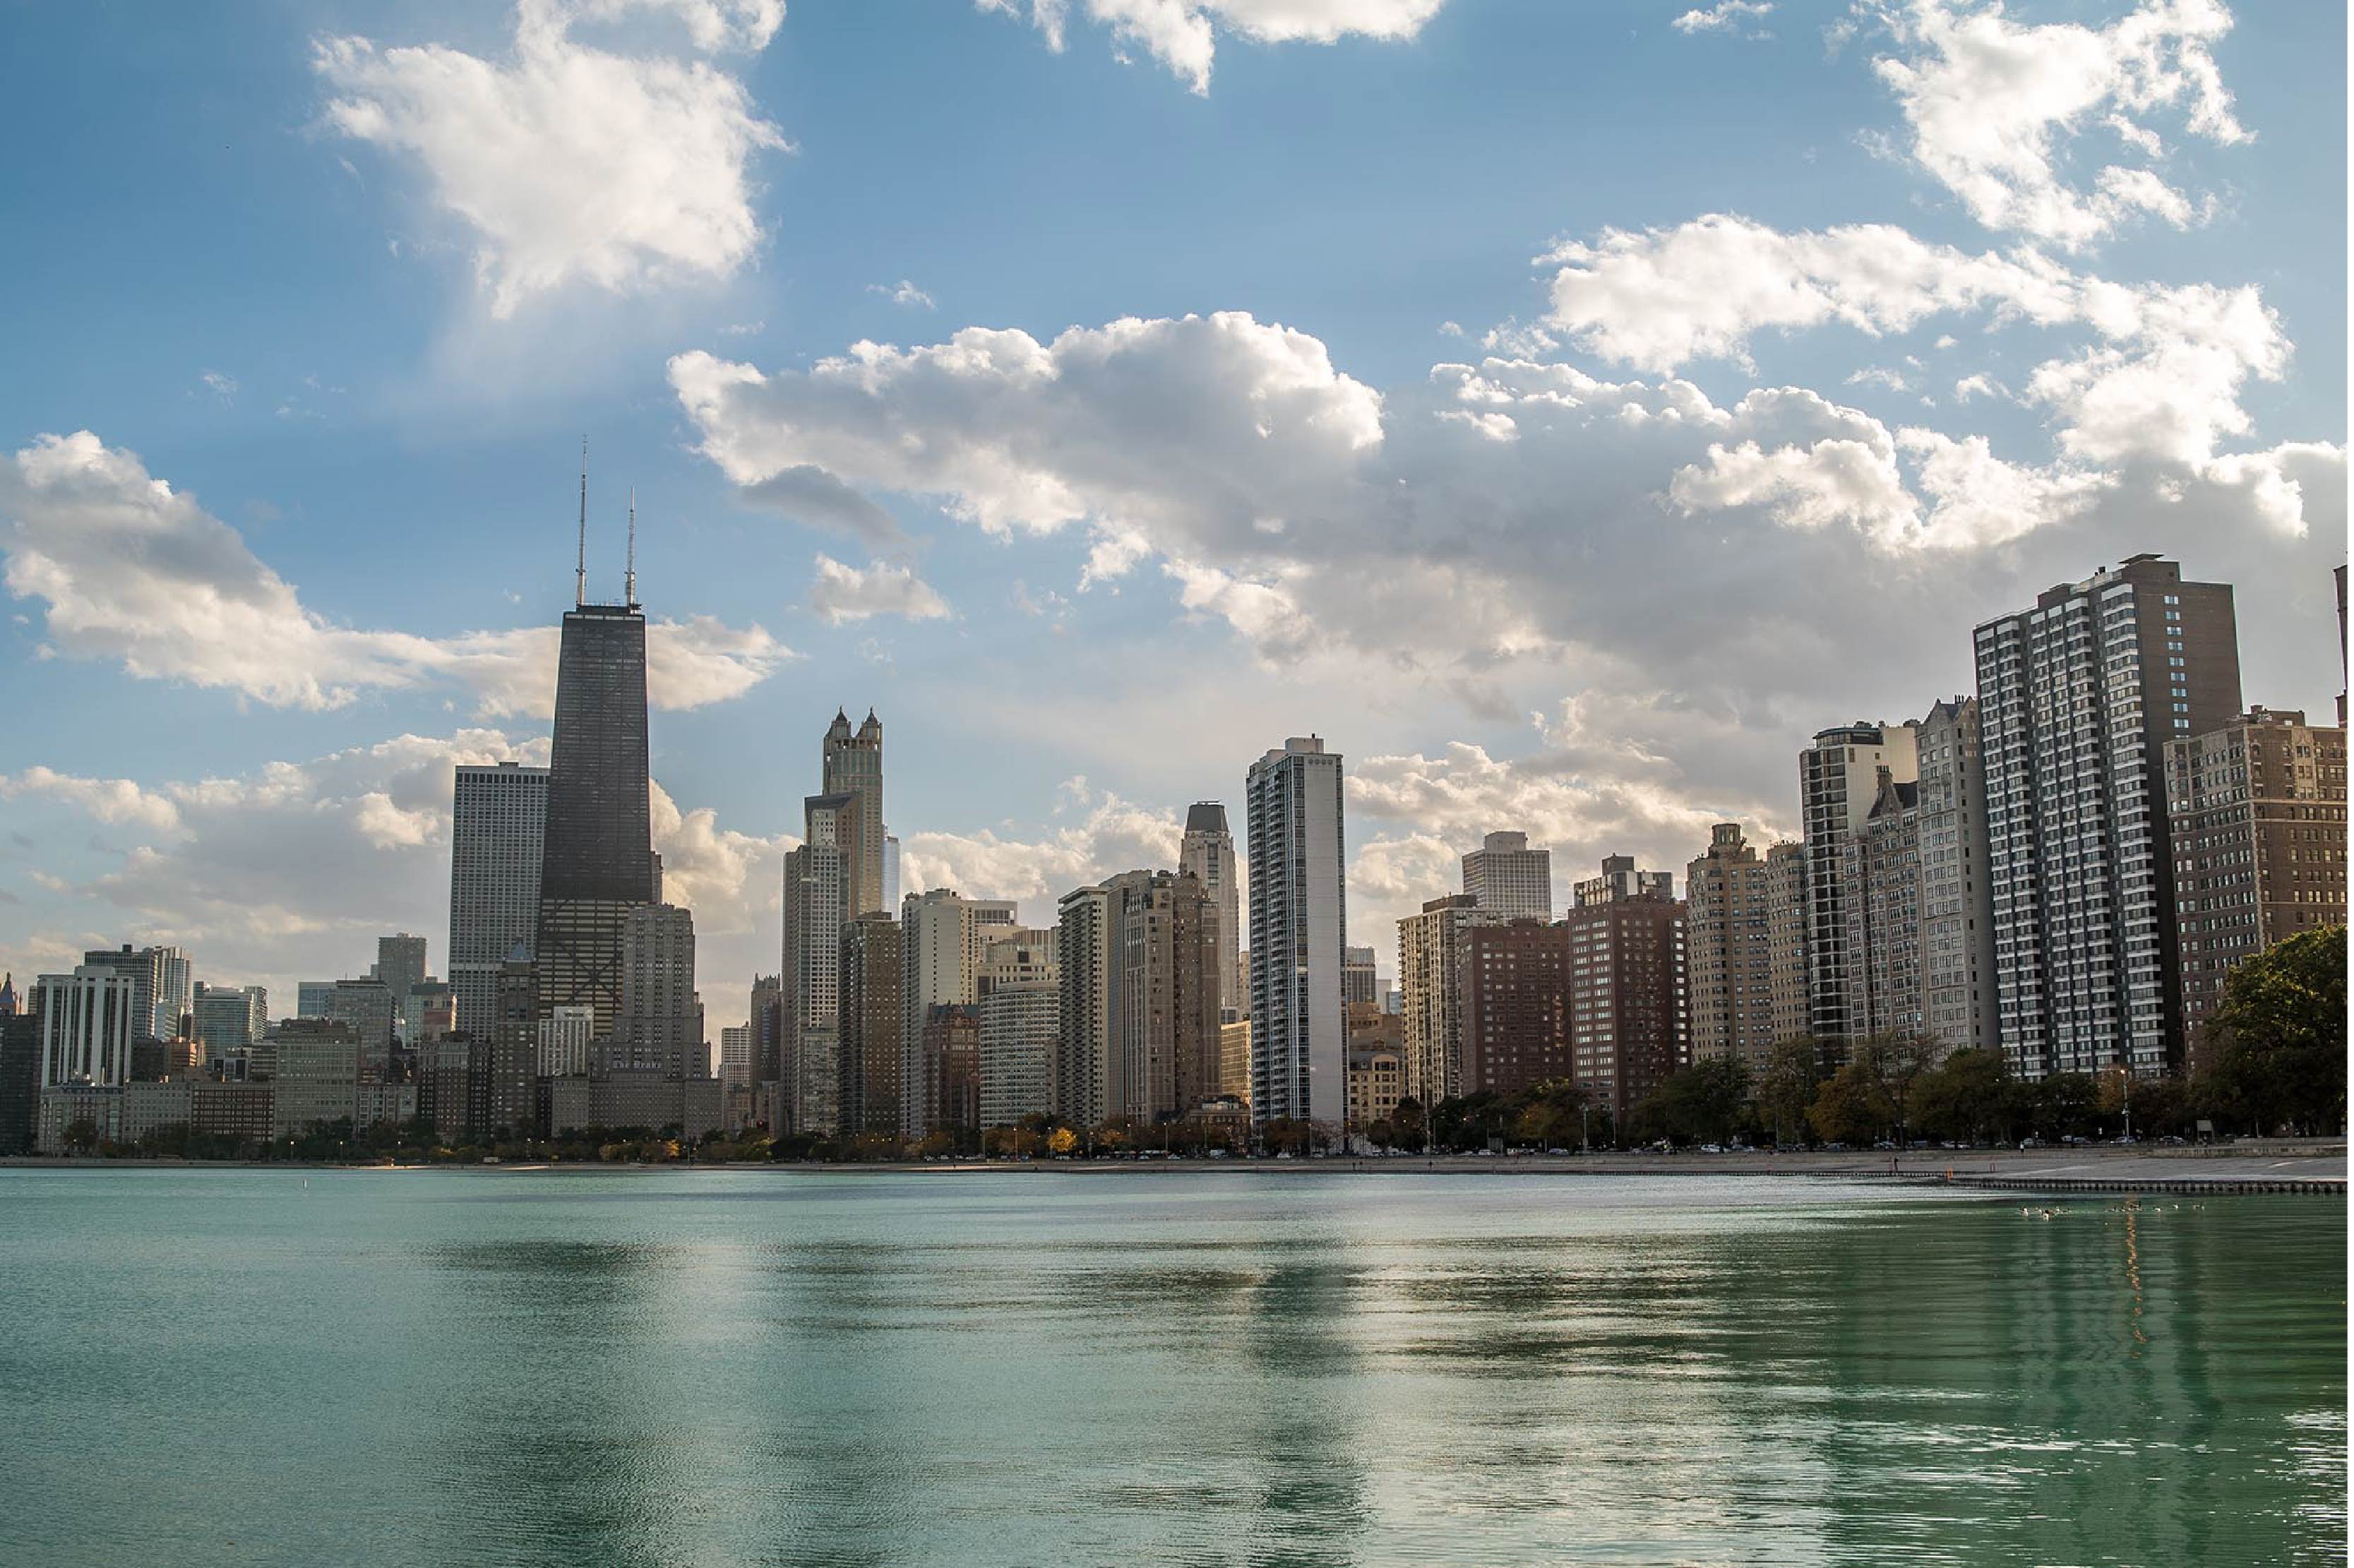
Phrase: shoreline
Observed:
(2315, 1167)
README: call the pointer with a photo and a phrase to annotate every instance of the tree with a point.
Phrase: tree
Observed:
(1406, 1128)
(80, 1135)
(1894, 1062)
(2063, 1105)
(1967, 1097)
(2278, 1037)
(1792, 1077)
(1849, 1107)
(1063, 1140)
(1699, 1104)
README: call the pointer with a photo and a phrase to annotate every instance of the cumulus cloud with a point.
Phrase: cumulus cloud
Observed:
(1722, 17)
(1513, 507)
(1996, 108)
(1102, 836)
(116, 801)
(1182, 34)
(839, 593)
(130, 570)
(570, 163)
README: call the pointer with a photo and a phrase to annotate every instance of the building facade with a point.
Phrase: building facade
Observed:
(498, 816)
(1729, 895)
(660, 1026)
(2077, 698)
(596, 859)
(1208, 853)
(1838, 785)
(2256, 817)
(1430, 970)
(1508, 879)
(874, 1014)
(1299, 925)
(1628, 997)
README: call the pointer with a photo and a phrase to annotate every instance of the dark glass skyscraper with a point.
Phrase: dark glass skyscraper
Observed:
(597, 860)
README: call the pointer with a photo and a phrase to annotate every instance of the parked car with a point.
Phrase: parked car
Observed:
(2030, 1143)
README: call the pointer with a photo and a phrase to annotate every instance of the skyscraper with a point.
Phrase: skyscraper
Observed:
(2077, 698)
(1208, 852)
(852, 764)
(1509, 880)
(598, 856)
(90, 1021)
(816, 897)
(1839, 784)
(231, 1018)
(1359, 981)
(872, 1017)
(497, 818)
(399, 963)
(1957, 974)
(1299, 923)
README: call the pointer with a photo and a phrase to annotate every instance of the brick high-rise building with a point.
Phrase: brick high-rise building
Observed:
(1628, 1002)
(1515, 985)
(660, 1026)
(873, 1018)
(1729, 894)
(2077, 698)
(2257, 818)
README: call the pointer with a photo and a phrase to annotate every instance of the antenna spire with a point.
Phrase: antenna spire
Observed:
(630, 573)
(580, 569)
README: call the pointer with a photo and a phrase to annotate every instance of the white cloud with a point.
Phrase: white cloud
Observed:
(1182, 34)
(1113, 835)
(842, 593)
(291, 872)
(1722, 17)
(568, 163)
(117, 802)
(132, 570)
(1996, 108)
(903, 293)
(1310, 511)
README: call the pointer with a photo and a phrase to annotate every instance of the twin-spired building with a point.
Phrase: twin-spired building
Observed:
(1299, 924)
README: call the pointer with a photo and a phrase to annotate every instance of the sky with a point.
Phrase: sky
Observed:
(1563, 410)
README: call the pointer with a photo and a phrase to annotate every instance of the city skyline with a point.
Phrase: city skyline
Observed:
(252, 742)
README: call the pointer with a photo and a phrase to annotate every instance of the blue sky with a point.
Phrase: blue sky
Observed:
(1627, 426)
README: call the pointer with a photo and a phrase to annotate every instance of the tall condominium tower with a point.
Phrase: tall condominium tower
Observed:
(854, 765)
(231, 1018)
(1957, 975)
(90, 1021)
(598, 856)
(1208, 852)
(1087, 950)
(1299, 923)
(816, 897)
(162, 985)
(1627, 1005)
(873, 1016)
(1839, 784)
(1506, 878)
(2077, 698)
(2257, 811)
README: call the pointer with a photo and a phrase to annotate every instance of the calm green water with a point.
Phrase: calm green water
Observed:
(722, 1368)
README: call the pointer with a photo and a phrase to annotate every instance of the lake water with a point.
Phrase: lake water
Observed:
(721, 1368)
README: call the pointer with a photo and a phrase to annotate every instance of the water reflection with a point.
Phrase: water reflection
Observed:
(689, 1370)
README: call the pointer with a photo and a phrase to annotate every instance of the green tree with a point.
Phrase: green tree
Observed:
(1406, 1128)
(1701, 1104)
(1792, 1075)
(2278, 1040)
(1894, 1062)
(1851, 1107)
(80, 1135)
(2063, 1105)
(1967, 1097)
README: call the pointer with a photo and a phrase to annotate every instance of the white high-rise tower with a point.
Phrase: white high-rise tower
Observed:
(1299, 923)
